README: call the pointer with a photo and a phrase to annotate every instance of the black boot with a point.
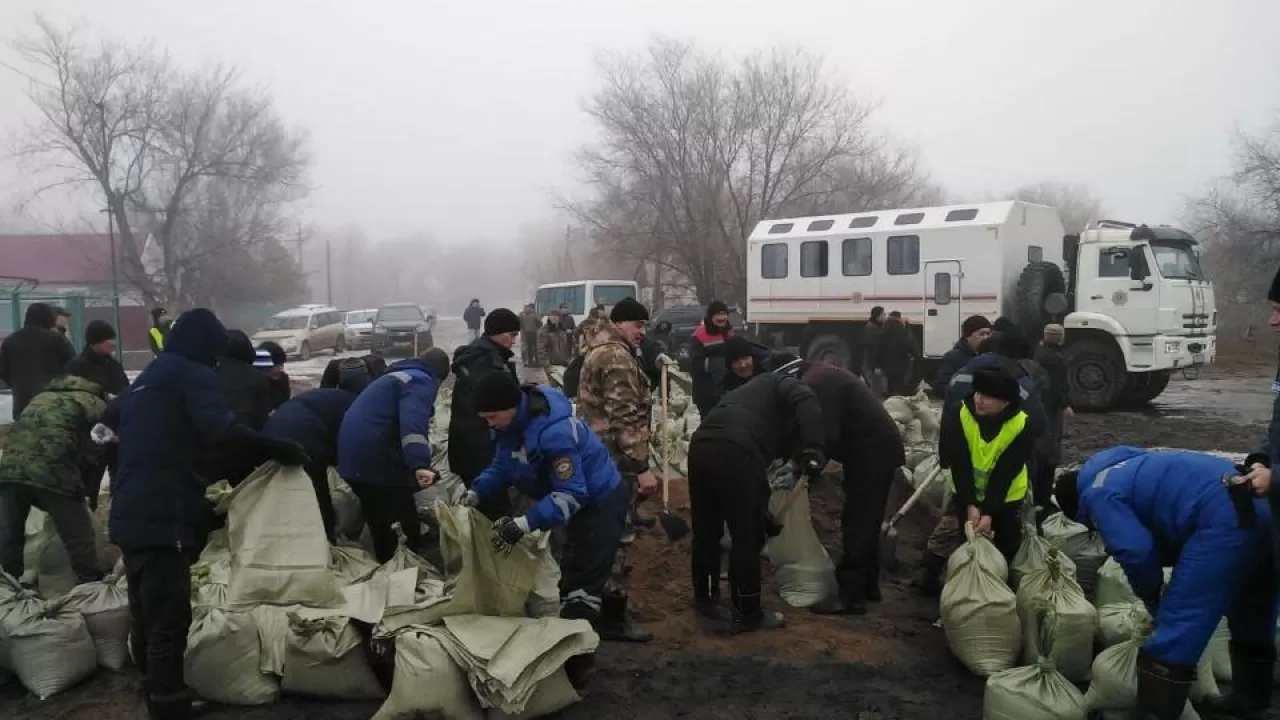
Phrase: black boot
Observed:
(178, 706)
(852, 597)
(612, 623)
(1162, 688)
(643, 521)
(1250, 696)
(929, 579)
(706, 598)
(749, 616)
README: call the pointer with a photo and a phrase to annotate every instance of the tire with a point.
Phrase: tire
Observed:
(304, 351)
(1036, 283)
(830, 349)
(1096, 375)
(1145, 387)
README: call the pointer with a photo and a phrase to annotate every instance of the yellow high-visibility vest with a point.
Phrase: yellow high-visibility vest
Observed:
(157, 337)
(983, 455)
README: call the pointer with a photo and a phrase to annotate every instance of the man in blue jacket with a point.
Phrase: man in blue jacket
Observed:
(1191, 511)
(171, 416)
(384, 452)
(313, 420)
(548, 454)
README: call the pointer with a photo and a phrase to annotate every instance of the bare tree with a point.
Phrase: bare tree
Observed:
(167, 149)
(696, 150)
(1077, 207)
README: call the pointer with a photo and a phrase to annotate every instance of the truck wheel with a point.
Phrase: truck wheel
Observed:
(1096, 375)
(831, 350)
(1145, 387)
(1037, 282)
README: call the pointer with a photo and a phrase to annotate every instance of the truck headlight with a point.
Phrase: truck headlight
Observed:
(1171, 348)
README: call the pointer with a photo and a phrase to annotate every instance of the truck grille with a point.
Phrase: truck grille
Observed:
(1195, 321)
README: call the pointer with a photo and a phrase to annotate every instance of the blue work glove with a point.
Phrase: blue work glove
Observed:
(507, 532)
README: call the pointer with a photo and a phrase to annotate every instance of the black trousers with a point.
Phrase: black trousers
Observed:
(160, 607)
(319, 474)
(587, 560)
(1042, 483)
(727, 485)
(1006, 525)
(70, 518)
(470, 452)
(866, 492)
(384, 506)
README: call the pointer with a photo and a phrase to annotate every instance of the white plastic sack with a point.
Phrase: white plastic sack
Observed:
(325, 658)
(1083, 546)
(485, 581)
(46, 563)
(51, 651)
(1037, 691)
(427, 682)
(105, 608)
(1119, 622)
(224, 657)
(551, 696)
(544, 598)
(1218, 653)
(350, 562)
(937, 492)
(1115, 677)
(1052, 591)
(21, 605)
(979, 612)
(1113, 584)
(899, 409)
(279, 552)
(803, 569)
(1031, 558)
(348, 518)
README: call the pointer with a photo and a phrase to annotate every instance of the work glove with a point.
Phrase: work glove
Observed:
(507, 532)
(101, 434)
(784, 478)
(286, 452)
(469, 499)
(812, 461)
(665, 359)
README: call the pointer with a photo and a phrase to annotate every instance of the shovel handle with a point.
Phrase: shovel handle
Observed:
(915, 498)
(663, 442)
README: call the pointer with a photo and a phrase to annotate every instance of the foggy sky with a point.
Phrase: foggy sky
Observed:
(462, 118)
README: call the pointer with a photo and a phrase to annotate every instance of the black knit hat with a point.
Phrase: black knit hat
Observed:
(98, 331)
(628, 310)
(1274, 294)
(973, 324)
(716, 308)
(996, 384)
(156, 312)
(495, 392)
(737, 347)
(501, 322)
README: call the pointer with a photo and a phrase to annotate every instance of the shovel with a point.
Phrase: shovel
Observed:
(889, 529)
(673, 525)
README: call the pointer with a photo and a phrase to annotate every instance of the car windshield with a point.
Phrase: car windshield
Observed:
(286, 322)
(1177, 260)
(399, 314)
(363, 316)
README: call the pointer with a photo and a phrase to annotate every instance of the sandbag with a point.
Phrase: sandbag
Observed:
(486, 581)
(937, 492)
(427, 682)
(1115, 677)
(1084, 547)
(21, 605)
(105, 609)
(1031, 557)
(47, 566)
(899, 409)
(348, 518)
(1037, 691)
(279, 552)
(551, 696)
(224, 656)
(325, 658)
(1218, 653)
(544, 598)
(1052, 590)
(979, 612)
(1113, 585)
(51, 651)
(1119, 622)
(350, 563)
(803, 569)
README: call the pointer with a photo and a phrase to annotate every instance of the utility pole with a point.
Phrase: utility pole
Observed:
(328, 273)
(349, 272)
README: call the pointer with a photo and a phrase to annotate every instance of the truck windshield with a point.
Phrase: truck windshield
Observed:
(1177, 260)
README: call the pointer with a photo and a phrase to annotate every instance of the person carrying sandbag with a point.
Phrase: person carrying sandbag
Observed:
(1191, 511)
(548, 454)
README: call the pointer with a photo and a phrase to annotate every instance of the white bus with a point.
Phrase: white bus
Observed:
(582, 295)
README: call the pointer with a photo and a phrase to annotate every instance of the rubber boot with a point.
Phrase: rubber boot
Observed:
(1250, 696)
(928, 580)
(178, 706)
(750, 616)
(706, 599)
(873, 589)
(612, 623)
(852, 597)
(1162, 689)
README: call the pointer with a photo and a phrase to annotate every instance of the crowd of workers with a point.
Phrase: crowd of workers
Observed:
(210, 406)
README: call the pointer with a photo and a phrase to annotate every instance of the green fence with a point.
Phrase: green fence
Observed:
(81, 305)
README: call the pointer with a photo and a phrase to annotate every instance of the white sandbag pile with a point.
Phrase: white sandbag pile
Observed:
(1036, 691)
(917, 420)
(51, 647)
(804, 571)
(1031, 557)
(1115, 677)
(1053, 588)
(105, 609)
(325, 658)
(979, 611)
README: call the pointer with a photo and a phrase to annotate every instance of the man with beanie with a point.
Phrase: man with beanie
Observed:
(1190, 510)
(615, 401)
(555, 343)
(898, 355)
(744, 360)
(97, 361)
(384, 450)
(473, 316)
(707, 364)
(159, 332)
(529, 325)
(32, 356)
(553, 457)
(245, 387)
(169, 419)
(313, 420)
(1057, 407)
(470, 443)
(973, 331)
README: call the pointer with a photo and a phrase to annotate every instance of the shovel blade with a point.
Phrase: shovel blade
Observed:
(673, 526)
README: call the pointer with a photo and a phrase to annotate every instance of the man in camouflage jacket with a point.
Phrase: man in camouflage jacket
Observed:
(555, 343)
(42, 467)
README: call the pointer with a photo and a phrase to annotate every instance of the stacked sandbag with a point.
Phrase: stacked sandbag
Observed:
(803, 569)
(1217, 655)
(348, 518)
(47, 565)
(1115, 678)
(1054, 590)
(1083, 546)
(427, 682)
(50, 650)
(1037, 691)
(940, 489)
(917, 422)
(979, 611)
(351, 563)
(224, 659)
(1118, 622)
(1031, 557)
(105, 609)
(1113, 584)
(325, 658)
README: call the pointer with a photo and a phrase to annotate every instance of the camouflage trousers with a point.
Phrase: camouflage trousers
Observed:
(948, 534)
(618, 580)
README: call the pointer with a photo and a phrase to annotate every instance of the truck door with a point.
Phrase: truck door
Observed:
(942, 301)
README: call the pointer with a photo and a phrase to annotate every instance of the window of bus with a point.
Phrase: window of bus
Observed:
(550, 298)
(611, 294)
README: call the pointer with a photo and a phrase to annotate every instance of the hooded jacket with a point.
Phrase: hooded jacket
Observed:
(174, 412)
(247, 388)
(470, 443)
(313, 420)
(551, 456)
(860, 431)
(474, 317)
(104, 370)
(384, 436)
(32, 356)
(707, 368)
(49, 445)
(770, 417)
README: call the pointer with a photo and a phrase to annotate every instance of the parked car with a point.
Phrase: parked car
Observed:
(673, 329)
(305, 329)
(358, 328)
(401, 327)
(430, 314)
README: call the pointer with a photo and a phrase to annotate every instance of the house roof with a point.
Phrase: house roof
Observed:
(57, 259)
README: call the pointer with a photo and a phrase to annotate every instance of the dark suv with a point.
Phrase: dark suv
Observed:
(673, 328)
(401, 327)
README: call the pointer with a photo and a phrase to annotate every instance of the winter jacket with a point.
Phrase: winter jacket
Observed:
(105, 371)
(707, 367)
(551, 456)
(555, 345)
(280, 389)
(474, 317)
(956, 358)
(245, 387)
(955, 453)
(770, 417)
(1268, 453)
(32, 356)
(158, 337)
(872, 334)
(614, 397)
(385, 434)
(312, 420)
(962, 386)
(763, 358)
(1056, 395)
(174, 412)
(529, 321)
(49, 445)
(470, 442)
(897, 348)
(860, 431)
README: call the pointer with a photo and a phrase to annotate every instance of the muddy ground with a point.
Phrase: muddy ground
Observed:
(887, 665)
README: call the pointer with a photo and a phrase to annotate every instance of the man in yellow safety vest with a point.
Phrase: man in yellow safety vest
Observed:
(987, 445)
(159, 329)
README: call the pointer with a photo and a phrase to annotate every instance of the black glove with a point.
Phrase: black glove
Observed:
(812, 461)
(506, 533)
(286, 452)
